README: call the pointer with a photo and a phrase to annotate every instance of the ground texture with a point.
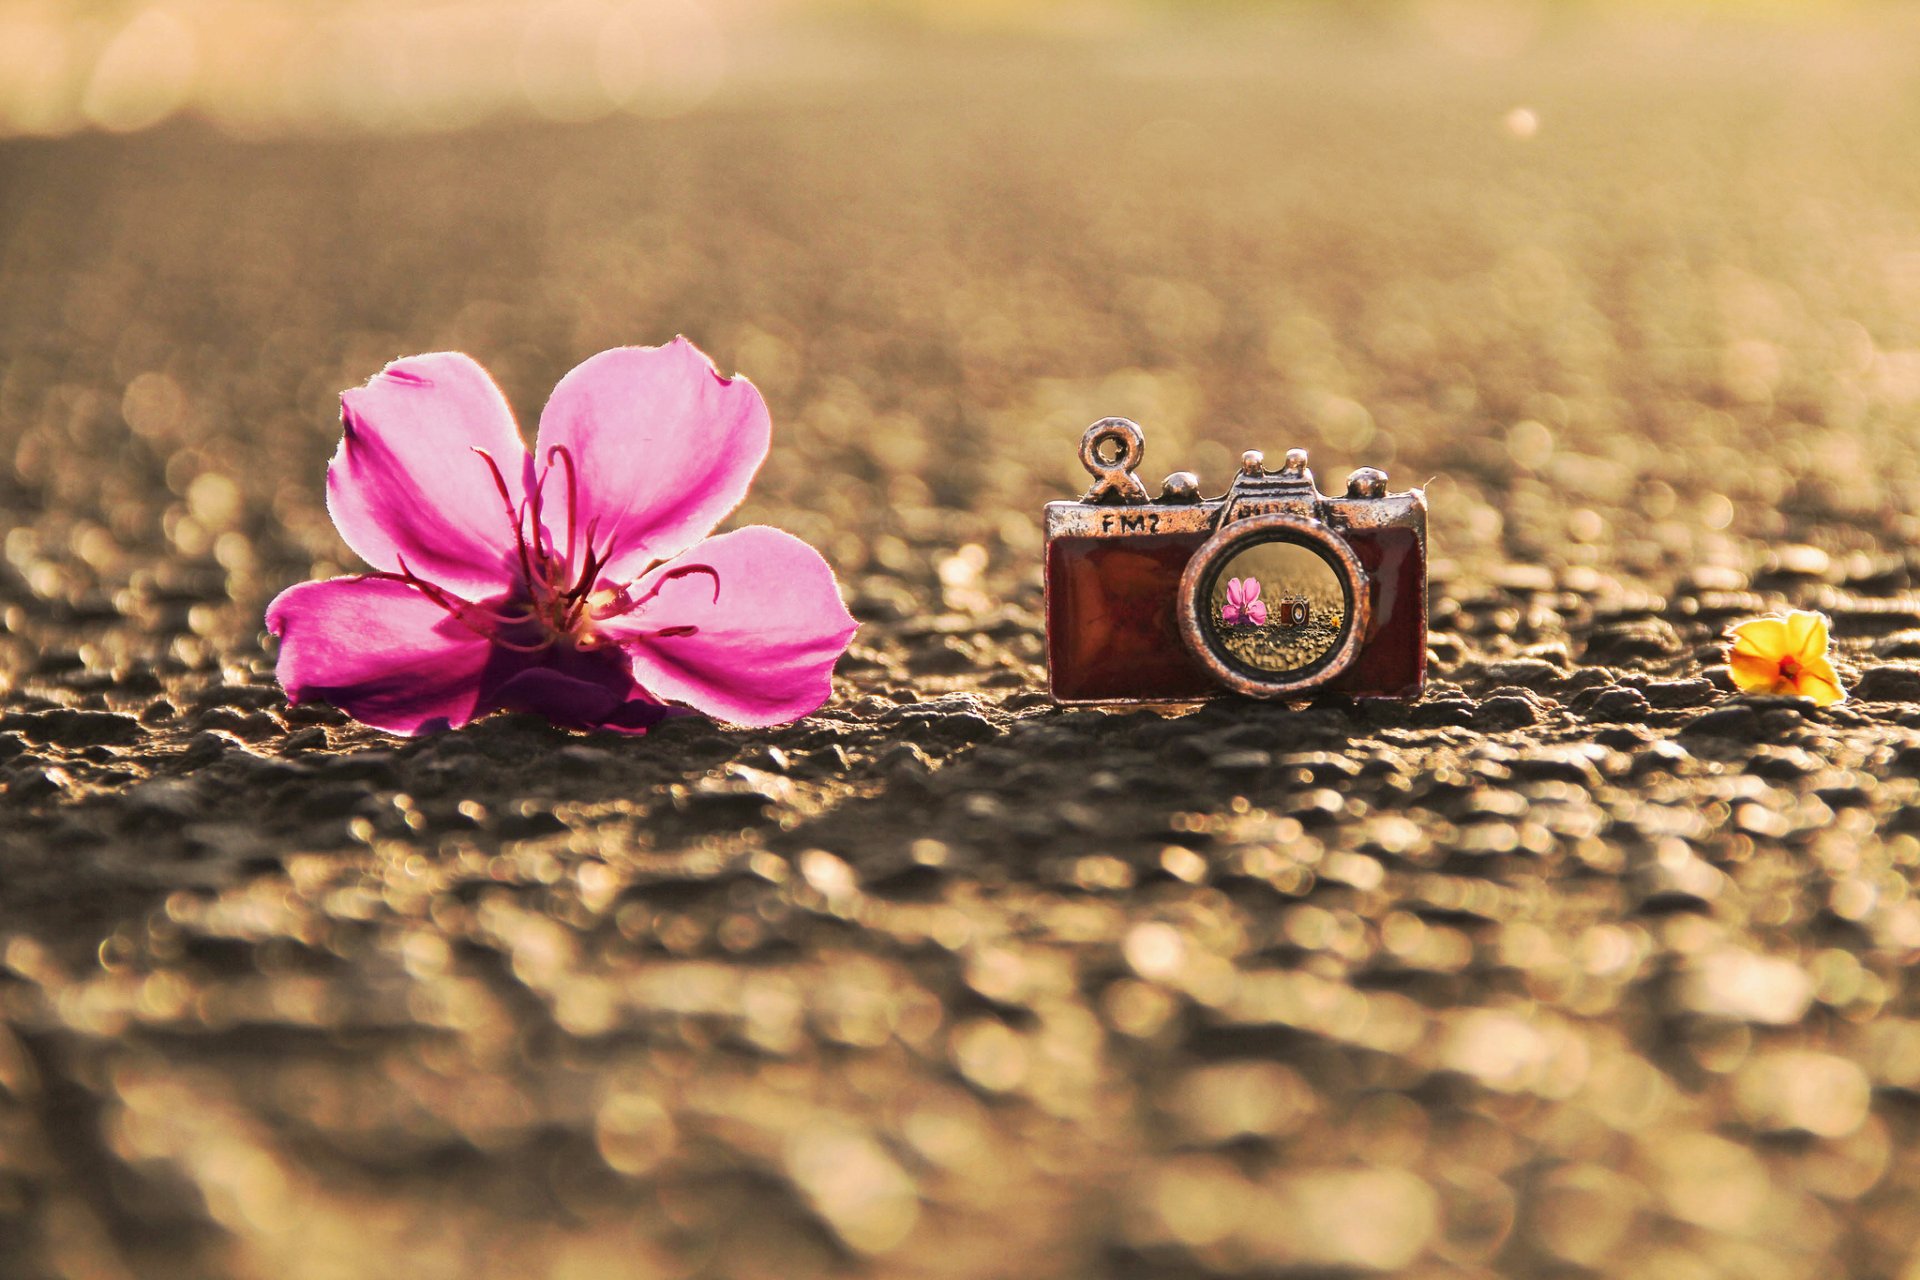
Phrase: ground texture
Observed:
(1581, 965)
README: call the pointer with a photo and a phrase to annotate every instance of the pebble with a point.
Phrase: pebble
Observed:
(1736, 722)
(67, 727)
(1888, 684)
(1528, 673)
(1619, 705)
(1504, 713)
(1634, 640)
(1668, 695)
(27, 782)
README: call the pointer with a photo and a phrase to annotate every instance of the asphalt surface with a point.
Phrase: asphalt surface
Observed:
(1581, 965)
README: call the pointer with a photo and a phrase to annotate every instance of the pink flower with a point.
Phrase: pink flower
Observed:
(1243, 607)
(576, 582)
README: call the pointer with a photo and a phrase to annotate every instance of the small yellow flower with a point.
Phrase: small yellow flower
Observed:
(1785, 655)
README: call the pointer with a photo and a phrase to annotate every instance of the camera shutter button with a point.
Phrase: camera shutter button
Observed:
(1181, 486)
(1367, 482)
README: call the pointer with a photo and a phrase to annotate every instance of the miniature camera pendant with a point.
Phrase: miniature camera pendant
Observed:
(1274, 590)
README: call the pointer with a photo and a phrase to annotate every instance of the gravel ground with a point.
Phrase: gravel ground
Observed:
(1279, 648)
(1580, 965)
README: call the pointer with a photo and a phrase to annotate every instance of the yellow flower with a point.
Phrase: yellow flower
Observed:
(1785, 655)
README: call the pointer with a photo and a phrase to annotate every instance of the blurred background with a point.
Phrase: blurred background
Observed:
(944, 983)
(259, 70)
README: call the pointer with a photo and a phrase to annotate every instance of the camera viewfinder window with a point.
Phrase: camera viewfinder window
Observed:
(1278, 607)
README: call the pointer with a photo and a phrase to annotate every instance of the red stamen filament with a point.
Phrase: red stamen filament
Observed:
(514, 515)
(566, 459)
(558, 599)
(461, 611)
(684, 571)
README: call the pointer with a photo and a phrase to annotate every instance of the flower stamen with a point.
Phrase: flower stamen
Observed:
(621, 603)
(464, 612)
(515, 516)
(566, 459)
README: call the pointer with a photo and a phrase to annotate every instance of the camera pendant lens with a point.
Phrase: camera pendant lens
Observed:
(1274, 605)
(1277, 607)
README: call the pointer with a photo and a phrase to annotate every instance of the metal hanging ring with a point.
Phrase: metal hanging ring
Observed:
(1111, 451)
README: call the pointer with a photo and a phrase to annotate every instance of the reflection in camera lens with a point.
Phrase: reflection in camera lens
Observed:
(1277, 607)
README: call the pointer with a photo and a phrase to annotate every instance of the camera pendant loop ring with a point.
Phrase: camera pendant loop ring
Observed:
(1113, 475)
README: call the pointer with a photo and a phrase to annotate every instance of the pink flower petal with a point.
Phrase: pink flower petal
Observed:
(579, 690)
(380, 651)
(752, 642)
(1236, 592)
(1257, 614)
(663, 446)
(563, 699)
(1252, 587)
(405, 482)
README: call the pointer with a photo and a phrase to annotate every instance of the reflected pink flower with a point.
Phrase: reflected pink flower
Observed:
(576, 582)
(1243, 607)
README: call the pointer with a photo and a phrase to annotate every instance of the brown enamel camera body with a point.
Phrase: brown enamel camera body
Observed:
(1274, 590)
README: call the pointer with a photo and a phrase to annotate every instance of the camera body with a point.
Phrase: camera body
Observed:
(1274, 590)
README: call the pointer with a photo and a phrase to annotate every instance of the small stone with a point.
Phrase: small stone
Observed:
(1638, 639)
(311, 738)
(1901, 644)
(1620, 705)
(250, 725)
(905, 759)
(207, 747)
(1783, 764)
(771, 759)
(1574, 764)
(1661, 753)
(37, 782)
(1667, 695)
(1456, 712)
(1738, 722)
(829, 761)
(68, 727)
(1888, 684)
(1503, 713)
(1528, 673)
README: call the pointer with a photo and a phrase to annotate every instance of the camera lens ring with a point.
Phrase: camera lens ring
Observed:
(1196, 594)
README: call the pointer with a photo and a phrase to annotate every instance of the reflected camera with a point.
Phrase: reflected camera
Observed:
(1275, 590)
